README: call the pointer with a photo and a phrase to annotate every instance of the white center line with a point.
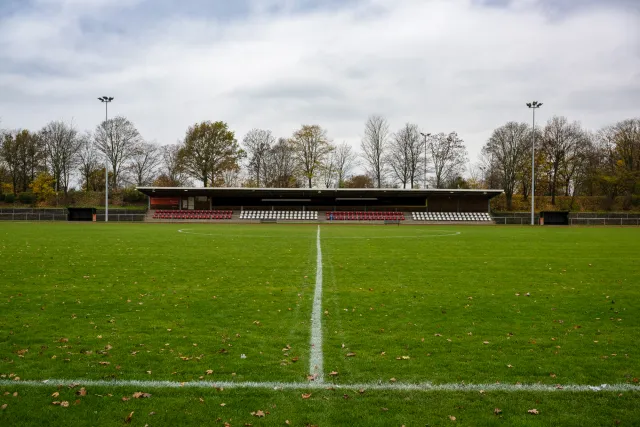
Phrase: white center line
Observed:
(316, 356)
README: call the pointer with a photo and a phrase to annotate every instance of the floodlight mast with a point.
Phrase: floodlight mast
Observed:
(533, 106)
(106, 100)
(425, 135)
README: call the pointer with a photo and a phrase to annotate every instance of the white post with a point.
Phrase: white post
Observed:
(533, 164)
(106, 191)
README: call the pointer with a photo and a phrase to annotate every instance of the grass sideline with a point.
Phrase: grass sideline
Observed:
(92, 293)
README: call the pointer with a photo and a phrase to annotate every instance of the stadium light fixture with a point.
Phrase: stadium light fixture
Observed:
(106, 100)
(533, 106)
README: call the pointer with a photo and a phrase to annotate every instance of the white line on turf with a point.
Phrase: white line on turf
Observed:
(316, 357)
(317, 385)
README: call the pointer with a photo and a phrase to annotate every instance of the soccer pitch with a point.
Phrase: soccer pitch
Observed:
(329, 325)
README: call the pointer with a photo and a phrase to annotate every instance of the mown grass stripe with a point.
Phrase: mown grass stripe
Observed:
(316, 356)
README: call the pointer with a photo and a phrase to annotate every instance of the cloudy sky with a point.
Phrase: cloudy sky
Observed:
(463, 65)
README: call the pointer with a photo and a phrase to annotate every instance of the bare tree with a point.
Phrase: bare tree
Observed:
(508, 149)
(311, 146)
(257, 143)
(145, 163)
(61, 144)
(87, 158)
(558, 145)
(328, 170)
(405, 153)
(448, 155)
(374, 147)
(117, 139)
(281, 168)
(345, 160)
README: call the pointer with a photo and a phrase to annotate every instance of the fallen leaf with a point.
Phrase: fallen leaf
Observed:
(393, 380)
(209, 371)
(128, 419)
(345, 396)
(3, 407)
(533, 411)
(497, 411)
(81, 392)
(55, 394)
(258, 414)
(140, 395)
(15, 394)
(452, 418)
(104, 363)
(361, 391)
(485, 342)
(306, 395)
(384, 409)
(333, 373)
(350, 354)
(125, 398)
(509, 366)
(64, 404)
(223, 404)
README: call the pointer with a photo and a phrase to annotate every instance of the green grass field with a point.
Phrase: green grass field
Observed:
(229, 305)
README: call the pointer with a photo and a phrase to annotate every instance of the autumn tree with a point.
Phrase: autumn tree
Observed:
(311, 146)
(117, 139)
(23, 157)
(209, 149)
(374, 147)
(171, 170)
(448, 156)
(43, 186)
(359, 181)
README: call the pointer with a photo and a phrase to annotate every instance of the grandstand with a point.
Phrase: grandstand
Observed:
(414, 206)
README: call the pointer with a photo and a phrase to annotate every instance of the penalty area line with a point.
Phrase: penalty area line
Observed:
(315, 385)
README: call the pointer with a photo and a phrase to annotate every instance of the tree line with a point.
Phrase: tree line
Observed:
(570, 160)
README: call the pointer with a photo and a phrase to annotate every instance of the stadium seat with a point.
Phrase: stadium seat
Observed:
(280, 215)
(192, 214)
(451, 216)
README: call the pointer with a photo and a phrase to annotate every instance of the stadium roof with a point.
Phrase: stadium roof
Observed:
(350, 193)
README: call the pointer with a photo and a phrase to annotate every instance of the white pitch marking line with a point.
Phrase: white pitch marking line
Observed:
(276, 385)
(316, 357)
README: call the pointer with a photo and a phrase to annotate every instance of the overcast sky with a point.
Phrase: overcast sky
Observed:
(463, 65)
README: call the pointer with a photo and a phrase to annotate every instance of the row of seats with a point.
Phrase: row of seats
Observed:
(283, 215)
(451, 216)
(192, 214)
(365, 216)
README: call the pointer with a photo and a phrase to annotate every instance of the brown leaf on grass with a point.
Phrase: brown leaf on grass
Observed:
(350, 354)
(223, 404)
(77, 402)
(125, 398)
(306, 395)
(452, 418)
(333, 373)
(64, 404)
(64, 340)
(294, 359)
(533, 411)
(258, 414)
(209, 371)
(345, 396)
(384, 409)
(128, 418)
(393, 380)
(552, 375)
(81, 392)
(312, 377)
(509, 366)
(55, 394)
(3, 407)
(15, 394)
(287, 422)
(140, 395)
(485, 342)
(104, 363)
(497, 411)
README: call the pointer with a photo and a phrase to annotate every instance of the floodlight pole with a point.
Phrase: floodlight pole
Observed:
(425, 135)
(106, 100)
(533, 105)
